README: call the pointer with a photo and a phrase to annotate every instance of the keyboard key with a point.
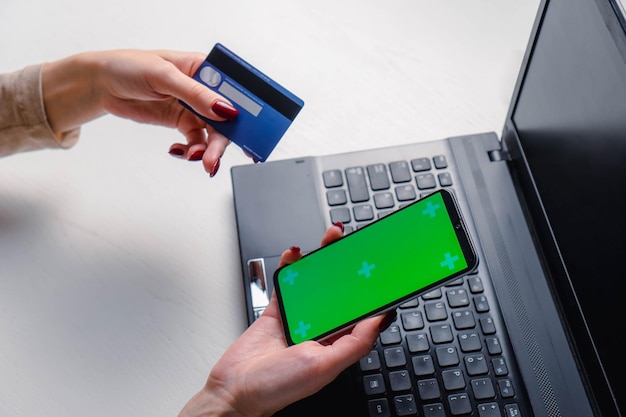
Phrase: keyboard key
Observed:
(493, 345)
(447, 356)
(469, 341)
(436, 311)
(413, 302)
(512, 410)
(384, 213)
(441, 333)
(400, 171)
(399, 380)
(425, 181)
(432, 295)
(363, 212)
(405, 193)
(412, 320)
(377, 174)
(506, 388)
(457, 297)
(357, 186)
(383, 200)
(421, 164)
(340, 215)
(453, 379)
(405, 405)
(336, 197)
(379, 408)
(475, 284)
(463, 319)
(482, 388)
(428, 389)
(374, 384)
(417, 342)
(371, 362)
(391, 335)
(445, 179)
(455, 282)
(489, 410)
(394, 357)
(423, 365)
(499, 366)
(434, 410)
(459, 404)
(440, 161)
(481, 304)
(332, 178)
(487, 325)
(476, 364)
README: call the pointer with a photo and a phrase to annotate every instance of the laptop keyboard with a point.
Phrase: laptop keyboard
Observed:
(376, 190)
(444, 354)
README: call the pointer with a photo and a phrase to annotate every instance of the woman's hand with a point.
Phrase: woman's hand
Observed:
(143, 86)
(259, 374)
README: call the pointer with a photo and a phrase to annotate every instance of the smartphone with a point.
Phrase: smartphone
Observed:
(374, 269)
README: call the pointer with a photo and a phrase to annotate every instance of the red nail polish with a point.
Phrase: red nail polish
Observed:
(196, 156)
(176, 152)
(389, 318)
(339, 225)
(225, 110)
(216, 166)
(295, 249)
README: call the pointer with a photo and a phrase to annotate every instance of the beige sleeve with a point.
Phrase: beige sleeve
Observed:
(23, 122)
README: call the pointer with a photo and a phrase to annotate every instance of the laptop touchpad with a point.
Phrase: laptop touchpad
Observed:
(276, 207)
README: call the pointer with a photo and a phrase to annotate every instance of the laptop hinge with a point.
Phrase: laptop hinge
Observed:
(499, 155)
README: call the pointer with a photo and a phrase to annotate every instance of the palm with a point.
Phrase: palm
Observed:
(262, 373)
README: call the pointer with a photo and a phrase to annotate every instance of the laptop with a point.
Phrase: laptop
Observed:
(535, 330)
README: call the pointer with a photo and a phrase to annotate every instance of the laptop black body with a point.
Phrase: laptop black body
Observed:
(546, 206)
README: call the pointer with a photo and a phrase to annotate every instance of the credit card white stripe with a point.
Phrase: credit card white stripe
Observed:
(238, 97)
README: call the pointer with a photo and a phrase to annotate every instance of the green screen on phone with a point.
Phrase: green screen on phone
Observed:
(374, 268)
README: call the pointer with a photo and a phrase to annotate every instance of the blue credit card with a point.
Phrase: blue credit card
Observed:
(266, 109)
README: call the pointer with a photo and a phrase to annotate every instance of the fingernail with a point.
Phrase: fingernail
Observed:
(216, 166)
(339, 225)
(196, 156)
(295, 250)
(225, 110)
(390, 317)
(176, 152)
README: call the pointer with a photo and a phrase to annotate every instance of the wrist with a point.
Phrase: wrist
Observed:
(210, 401)
(69, 93)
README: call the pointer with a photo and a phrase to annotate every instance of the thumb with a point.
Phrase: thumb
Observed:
(178, 83)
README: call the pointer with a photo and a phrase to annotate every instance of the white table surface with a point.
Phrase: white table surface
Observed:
(120, 281)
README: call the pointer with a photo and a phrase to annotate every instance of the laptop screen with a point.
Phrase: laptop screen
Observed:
(569, 121)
